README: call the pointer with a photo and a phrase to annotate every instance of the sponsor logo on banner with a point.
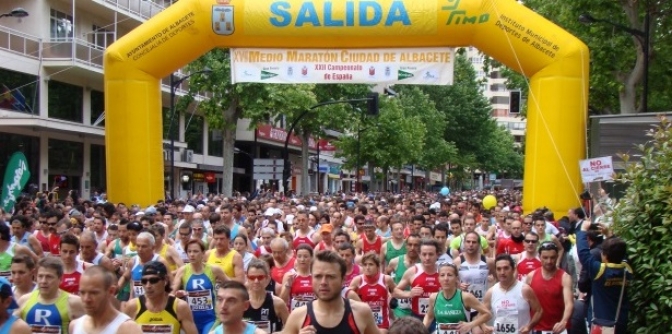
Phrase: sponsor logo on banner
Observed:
(415, 66)
(222, 18)
(267, 75)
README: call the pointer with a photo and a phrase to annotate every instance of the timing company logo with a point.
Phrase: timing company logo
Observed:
(267, 75)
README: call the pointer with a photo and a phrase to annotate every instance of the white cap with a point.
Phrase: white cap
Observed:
(300, 207)
(189, 209)
(313, 208)
(269, 212)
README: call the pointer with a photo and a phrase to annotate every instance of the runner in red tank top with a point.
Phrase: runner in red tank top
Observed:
(329, 313)
(282, 262)
(72, 268)
(374, 288)
(423, 279)
(347, 252)
(297, 284)
(327, 241)
(43, 239)
(528, 260)
(553, 288)
(303, 233)
(370, 242)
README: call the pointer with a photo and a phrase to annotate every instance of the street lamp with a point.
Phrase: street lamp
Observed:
(16, 12)
(641, 36)
(173, 87)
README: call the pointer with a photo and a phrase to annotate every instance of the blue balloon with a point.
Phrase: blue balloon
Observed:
(445, 191)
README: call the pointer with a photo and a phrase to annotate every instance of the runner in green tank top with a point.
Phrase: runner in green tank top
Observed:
(449, 306)
(398, 267)
(391, 252)
(397, 235)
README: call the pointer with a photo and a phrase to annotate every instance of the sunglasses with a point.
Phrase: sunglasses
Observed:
(197, 229)
(152, 280)
(185, 234)
(530, 241)
(549, 245)
(253, 278)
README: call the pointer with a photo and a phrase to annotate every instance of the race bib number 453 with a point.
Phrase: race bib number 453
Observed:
(200, 300)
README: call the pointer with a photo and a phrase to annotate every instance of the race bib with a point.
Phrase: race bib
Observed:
(423, 304)
(477, 291)
(447, 329)
(138, 289)
(45, 329)
(158, 329)
(551, 332)
(377, 315)
(506, 325)
(263, 325)
(299, 301)
(200, 300)
(404, 303)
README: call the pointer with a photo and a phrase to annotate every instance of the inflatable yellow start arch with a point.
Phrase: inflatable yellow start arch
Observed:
(555, 61)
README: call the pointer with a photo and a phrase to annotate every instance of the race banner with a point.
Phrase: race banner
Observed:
(597, 169)
(16, 177)
(417, 66)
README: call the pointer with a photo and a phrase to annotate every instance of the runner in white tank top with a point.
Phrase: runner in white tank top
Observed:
(510, 301)
(111, 328)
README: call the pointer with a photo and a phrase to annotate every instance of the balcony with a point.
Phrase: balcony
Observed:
(73, 50)
(19, 43)
(140, 9)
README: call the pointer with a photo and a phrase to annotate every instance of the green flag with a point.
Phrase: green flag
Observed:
(16, 177)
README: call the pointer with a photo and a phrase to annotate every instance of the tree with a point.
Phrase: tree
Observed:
(467, 113)
(617, 68)
(333, 117)
(436, 151)
(643, 218)
(390, 140)
(229, 103)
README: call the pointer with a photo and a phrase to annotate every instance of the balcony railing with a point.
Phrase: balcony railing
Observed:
(19, 43)
(83, 52)
(144, 9)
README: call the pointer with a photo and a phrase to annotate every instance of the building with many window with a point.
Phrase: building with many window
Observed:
(52, 105)
(500, 97)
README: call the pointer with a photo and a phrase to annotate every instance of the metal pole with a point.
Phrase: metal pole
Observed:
(172, 137)
(318, 166)
(645, 85)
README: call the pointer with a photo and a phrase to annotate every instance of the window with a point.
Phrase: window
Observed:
(101, 38)
(61, 26)
(215, 143)
(193, 133)
(30, 146)
(97, 108)
(65, 101)
(98, 168)
(65, 157)
(499, 100)
(18, 91)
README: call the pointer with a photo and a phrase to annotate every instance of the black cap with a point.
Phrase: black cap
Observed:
(134, 226)
(154, 268)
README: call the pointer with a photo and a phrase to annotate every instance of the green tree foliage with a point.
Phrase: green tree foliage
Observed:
(469, 124)
(617, 58)
(436, 151)
(643, 218)
(228, 103)
(390, 140)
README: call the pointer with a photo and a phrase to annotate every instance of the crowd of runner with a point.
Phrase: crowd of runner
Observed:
(342, 263)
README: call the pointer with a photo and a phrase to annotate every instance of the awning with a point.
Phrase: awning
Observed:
(334, 176)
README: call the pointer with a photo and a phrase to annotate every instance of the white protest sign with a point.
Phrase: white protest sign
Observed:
(596, 169)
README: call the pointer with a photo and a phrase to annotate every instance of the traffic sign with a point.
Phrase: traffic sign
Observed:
(268, 169)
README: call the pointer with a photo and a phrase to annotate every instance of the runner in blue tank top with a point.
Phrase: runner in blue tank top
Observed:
(198, 280)
(233, 296)
(10, 324)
